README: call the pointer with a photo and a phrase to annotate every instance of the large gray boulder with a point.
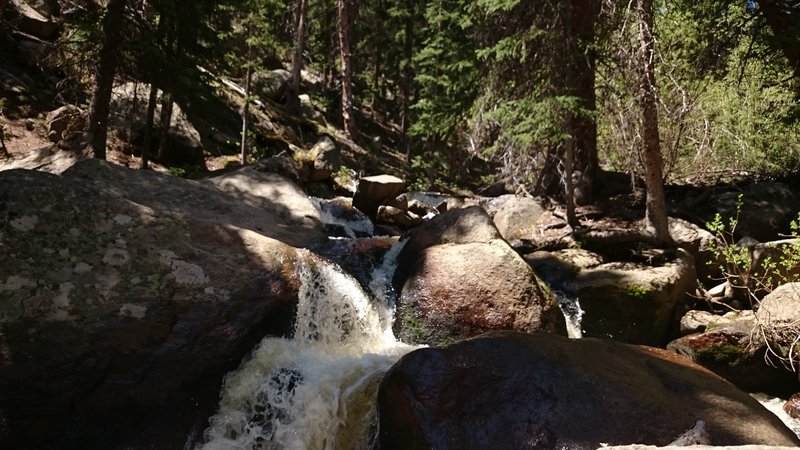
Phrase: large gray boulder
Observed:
(517, 218)
(459, 279)
(511, 390)
(65, 123)
(128, 113)
(125, 292)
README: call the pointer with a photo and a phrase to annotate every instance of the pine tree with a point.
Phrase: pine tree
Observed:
(106, 71)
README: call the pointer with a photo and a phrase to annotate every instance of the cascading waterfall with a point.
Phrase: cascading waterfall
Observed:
(317, 389)
(573, 314)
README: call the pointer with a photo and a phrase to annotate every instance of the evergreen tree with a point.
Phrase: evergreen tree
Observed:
(104, 81)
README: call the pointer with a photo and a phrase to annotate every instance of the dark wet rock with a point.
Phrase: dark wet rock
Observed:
(126, 293)
(510, 390)
(792, 406)
(730, 348)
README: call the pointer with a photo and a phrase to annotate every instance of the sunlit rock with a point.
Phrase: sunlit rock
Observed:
(128, 287)
(458, 278)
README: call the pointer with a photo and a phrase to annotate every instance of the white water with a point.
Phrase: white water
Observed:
(573, 314)
(356, 224)
(775, 406)
(316, 390)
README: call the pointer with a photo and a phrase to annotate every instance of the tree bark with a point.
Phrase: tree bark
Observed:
(152, 101)
(97, 132)
(656, 221)
(165, 122)
(583, 127)
(292, 96)
(408, 76)
(347, 12)
(246, 111)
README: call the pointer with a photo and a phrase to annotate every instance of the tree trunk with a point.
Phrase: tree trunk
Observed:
(165, 122)
(656, 221)
(569, 188)
(97, 133)
(292, 96)
(246, 110)
(347, 12)
(152, 101)
(408, 76)
(583, 127)
(152, 98)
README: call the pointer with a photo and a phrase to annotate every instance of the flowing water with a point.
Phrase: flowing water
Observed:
(775, 406)
(317, 389)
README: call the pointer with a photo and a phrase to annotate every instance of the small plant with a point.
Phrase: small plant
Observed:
(756, 271)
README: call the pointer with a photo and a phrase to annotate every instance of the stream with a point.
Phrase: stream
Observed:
(317, 389)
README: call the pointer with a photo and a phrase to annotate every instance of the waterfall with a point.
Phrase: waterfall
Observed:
(317, 389)
(573, 314)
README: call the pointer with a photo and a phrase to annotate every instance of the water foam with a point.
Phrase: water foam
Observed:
(317, 389)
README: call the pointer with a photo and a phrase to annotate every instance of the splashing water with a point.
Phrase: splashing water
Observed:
(316, 390)
(775, 406)
(573, 314)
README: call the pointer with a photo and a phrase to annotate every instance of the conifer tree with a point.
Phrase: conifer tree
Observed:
(104, 82)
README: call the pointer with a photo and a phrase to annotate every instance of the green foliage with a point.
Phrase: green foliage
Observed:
(755, 276)
(447, 75)
(727, 98)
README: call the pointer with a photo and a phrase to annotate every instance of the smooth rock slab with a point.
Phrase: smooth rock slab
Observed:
(512, 390)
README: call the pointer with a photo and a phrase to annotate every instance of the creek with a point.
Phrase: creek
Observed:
(317, 388)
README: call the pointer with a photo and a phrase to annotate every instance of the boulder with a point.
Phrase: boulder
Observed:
(460, 279)
(396, 216)
(127, 294)
(780, 307)
(184, 143)
(48, 159)
(325, 159)
(35, 22)
(65, 123)
(516, 218)
(285, 166)
(767, 209)
(730, 348)
(512, 390)
(695, 240)
(371, 191)
(272, 84)
(634, 302)
(341, 219)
